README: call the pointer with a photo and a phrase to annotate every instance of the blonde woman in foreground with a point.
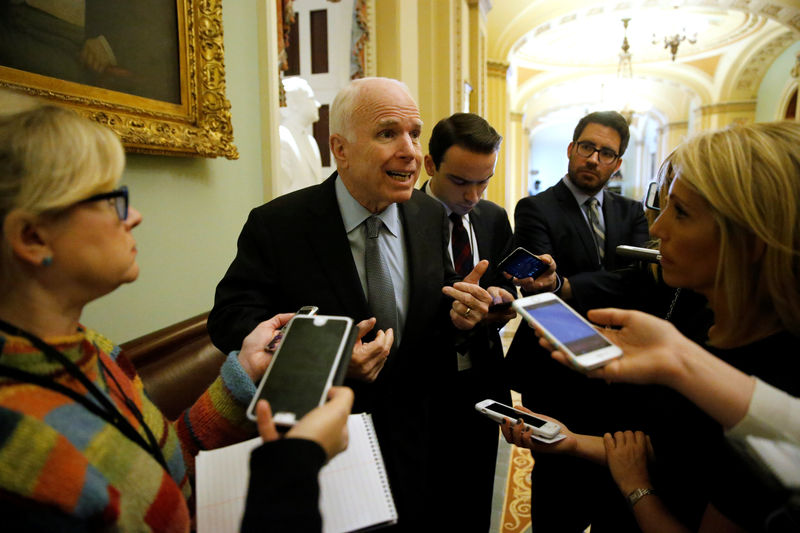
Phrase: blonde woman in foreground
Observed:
(731, 232)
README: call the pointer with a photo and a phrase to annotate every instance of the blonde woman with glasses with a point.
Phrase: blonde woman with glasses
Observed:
(81, 445)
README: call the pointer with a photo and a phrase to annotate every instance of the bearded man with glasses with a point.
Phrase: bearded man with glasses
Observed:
(580, 224)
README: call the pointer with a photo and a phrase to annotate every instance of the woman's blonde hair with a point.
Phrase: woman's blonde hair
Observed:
(51, 158)
(750, 177)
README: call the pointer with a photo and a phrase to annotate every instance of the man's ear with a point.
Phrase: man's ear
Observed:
(569, 149)
(430, 168)
(619, 164)
(339, 150)
(27, 237)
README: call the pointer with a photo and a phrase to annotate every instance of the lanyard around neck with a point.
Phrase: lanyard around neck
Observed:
(102, 406)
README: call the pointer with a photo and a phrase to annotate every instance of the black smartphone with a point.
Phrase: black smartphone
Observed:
(502, 306)
(522, 264)
(312, 356)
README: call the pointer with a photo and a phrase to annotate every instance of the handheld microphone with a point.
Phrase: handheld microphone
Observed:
(643, 254)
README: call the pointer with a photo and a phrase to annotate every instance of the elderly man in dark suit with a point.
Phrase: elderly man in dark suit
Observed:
(580, 224)
(365, 243)
(462, 154)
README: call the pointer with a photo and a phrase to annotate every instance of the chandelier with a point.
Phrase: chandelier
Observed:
(673, 37)
(625, 72)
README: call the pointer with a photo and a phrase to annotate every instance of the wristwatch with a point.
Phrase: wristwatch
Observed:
(638, 494)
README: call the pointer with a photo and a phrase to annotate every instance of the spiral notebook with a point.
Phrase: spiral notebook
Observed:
(354, 490)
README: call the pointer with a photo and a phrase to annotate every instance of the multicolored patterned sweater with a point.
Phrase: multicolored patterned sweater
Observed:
(63, 468)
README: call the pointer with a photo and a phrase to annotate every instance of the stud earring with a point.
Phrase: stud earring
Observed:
(47, 261)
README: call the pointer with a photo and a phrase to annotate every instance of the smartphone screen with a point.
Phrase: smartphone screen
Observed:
(513, 414)
(563, 324)
(523, 264)
(303, 365)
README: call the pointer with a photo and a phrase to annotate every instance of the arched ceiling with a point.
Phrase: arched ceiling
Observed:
(566, 52)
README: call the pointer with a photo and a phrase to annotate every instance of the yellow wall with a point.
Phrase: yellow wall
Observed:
(193, 209)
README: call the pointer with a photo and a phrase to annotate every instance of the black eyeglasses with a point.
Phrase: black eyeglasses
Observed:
(119, 198)
(604, 155)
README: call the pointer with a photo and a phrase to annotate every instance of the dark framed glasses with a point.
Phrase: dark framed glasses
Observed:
(119, 197)
(605, 155)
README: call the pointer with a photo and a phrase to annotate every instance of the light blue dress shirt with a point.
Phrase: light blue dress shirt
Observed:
(391, 242)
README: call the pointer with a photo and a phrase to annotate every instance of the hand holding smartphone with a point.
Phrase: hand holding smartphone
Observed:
(568, 331)
(522, 264)
(312, 356)
(309, 310)
(541, 429)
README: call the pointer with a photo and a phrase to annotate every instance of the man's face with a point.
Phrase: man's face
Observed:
(587, 173)
(381, 164)
(461, 178)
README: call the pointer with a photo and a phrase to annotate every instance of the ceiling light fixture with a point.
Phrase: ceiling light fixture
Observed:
(625, 72)
(672, 38)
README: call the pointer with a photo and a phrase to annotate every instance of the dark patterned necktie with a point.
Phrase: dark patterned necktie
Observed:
(380, 289)
(597, 231)
(462, 253)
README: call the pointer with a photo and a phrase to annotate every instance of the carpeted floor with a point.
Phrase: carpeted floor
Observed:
(512, 481)
(512, 490)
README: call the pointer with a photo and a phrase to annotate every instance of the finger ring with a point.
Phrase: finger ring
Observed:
(469, 310)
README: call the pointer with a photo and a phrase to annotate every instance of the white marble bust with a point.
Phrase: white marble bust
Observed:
(301, 165)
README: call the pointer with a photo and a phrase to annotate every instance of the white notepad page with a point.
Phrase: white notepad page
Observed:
(354, 491)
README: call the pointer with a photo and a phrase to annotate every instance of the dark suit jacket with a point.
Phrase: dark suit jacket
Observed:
(293, 251)
(494, 237)
(471, 488)
(552, 223)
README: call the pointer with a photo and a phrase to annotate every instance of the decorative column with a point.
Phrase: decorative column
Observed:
(397, 41)
(436, 63)
(517, 157)
(670, 136)
(497, 115)
(477, 42)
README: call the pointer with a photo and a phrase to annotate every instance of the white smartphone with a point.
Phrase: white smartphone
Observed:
(498, 412)
(312, 356)
(564, 328)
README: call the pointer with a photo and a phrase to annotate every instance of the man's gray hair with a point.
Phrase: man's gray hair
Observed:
(344, 104)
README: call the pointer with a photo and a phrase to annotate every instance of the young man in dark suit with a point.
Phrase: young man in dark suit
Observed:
(334, 245)
(580, 224)
(461, 160)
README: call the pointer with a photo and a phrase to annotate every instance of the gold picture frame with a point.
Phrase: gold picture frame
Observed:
(200, 125)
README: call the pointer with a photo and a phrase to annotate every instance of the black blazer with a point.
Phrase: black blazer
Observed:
(552, 222)
(293, 251)
(494, 237)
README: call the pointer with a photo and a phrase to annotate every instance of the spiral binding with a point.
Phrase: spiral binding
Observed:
(375, 447)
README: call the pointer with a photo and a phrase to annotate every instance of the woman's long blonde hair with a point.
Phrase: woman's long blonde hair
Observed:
(750, 177)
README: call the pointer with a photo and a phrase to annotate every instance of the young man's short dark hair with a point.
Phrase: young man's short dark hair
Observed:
(609, 119)
(467, 130)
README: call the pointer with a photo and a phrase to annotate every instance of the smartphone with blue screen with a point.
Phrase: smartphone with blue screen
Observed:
(564, 328)
(522, 264)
